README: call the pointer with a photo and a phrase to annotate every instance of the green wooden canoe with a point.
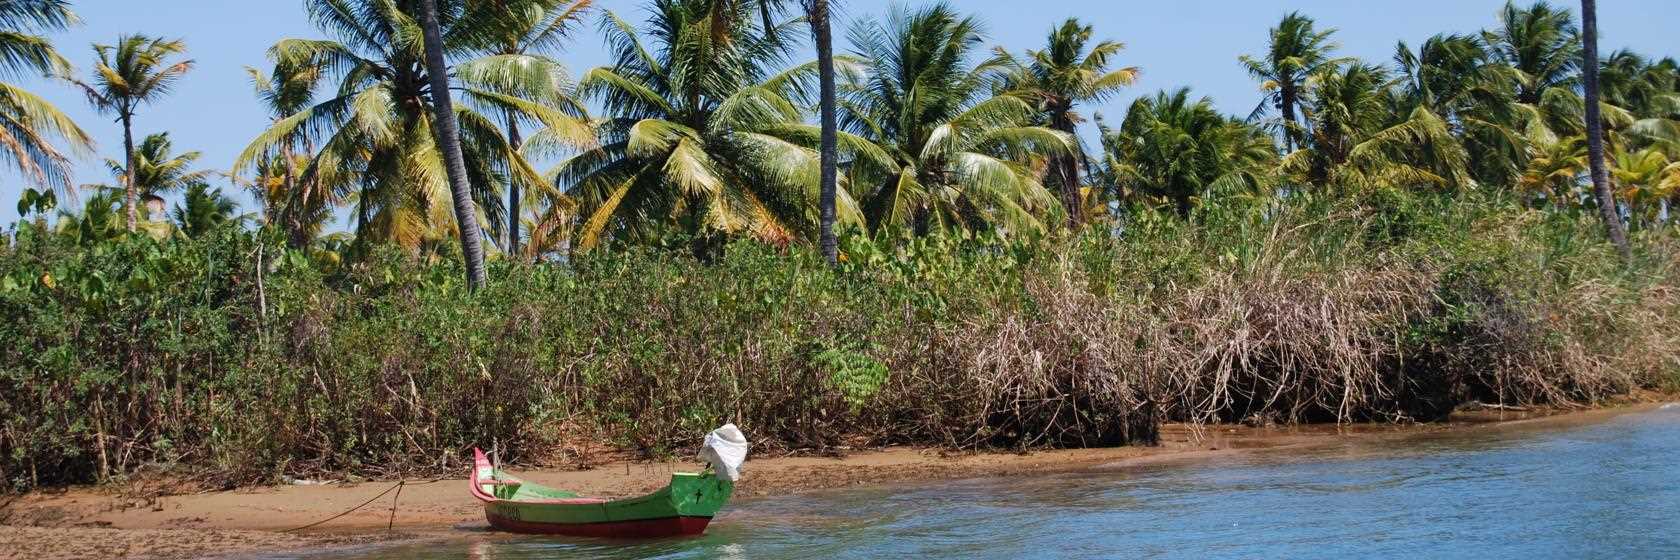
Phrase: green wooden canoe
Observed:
(685, 507)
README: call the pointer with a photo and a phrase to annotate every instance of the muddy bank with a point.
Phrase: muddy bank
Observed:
(92, 542)
(105, 522)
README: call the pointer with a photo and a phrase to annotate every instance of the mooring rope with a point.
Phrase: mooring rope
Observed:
(390, 524)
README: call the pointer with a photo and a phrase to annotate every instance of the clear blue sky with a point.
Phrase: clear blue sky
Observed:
(1177, 43)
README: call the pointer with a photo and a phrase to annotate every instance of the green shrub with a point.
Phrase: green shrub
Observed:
(857, 376)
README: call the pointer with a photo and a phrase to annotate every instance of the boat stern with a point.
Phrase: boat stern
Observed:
(699, 495)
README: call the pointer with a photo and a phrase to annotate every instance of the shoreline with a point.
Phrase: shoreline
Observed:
(103, 522)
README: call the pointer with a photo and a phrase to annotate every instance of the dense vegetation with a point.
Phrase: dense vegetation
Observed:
(1373, 242)
(1398, 309)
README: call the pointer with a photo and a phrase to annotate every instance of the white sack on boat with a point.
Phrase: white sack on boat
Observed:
(726, 450)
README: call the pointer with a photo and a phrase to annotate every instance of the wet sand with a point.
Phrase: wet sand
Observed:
(112, 523)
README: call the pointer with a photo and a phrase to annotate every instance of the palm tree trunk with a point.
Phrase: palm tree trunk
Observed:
(284, 211)
(301, 237)
(1288, 102)
(130, 193)
(274, 208)
(362, 211)
(514, 141)
(1066, 169)
(1595, 130)
(449, 140)
(823, 33)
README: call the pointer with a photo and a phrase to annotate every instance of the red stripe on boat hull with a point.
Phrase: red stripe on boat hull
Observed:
(640, 529)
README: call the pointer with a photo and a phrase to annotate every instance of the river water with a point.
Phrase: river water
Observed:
(1605, 489)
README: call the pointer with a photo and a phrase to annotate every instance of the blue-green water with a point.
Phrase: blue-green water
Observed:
(1603, 490)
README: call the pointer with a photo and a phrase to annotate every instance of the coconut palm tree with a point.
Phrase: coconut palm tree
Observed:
(1646, 179)
(1458, 79)
(1650, 92)
(1646, 151)
(1177, 150)
(297, 206)
(962, 159)
(1554, 171)
(819, 14)
(536, 31)
(134, 71)
(1449, 71)
(1354, 138)
(29, 125)
(154, 169)
(1606, 198)
(98, 220)
(203, 210)
(1542, 44)
(376, 130)
(1643, 87)
(1069, 71)
(1295, 53)
(701, 135)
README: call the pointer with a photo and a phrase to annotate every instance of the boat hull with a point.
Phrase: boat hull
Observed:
(638, 529)
(684, 507)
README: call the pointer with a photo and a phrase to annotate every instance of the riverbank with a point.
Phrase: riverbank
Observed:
(87, 522)
(1386, 307)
